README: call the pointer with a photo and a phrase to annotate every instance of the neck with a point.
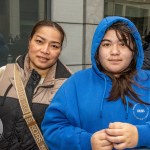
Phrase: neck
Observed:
(42, 73)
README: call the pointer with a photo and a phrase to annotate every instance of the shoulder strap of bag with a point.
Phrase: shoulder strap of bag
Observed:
(27, 114)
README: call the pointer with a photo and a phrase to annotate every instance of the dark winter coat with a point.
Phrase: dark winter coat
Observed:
(15, 133)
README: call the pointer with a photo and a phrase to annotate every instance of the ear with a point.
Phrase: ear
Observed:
(29, 41)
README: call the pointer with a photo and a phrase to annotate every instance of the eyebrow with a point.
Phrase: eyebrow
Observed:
(106, 40)
(110, 40)
(54, 42)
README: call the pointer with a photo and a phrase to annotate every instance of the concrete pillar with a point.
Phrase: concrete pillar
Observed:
(14, 18)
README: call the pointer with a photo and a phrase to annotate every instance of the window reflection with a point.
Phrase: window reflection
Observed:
(136, 10)
(17, 19)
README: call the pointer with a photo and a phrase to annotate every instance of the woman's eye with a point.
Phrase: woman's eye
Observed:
(55, 46)
(38, 41)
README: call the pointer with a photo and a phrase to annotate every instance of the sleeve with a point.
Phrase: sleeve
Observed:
(144, 130)
(61, 125)
(144, 136)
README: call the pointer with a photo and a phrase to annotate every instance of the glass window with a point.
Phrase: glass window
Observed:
(137, 11)
(17, 19)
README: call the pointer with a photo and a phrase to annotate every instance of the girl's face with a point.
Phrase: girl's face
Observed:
(44, 48)
(114, 55)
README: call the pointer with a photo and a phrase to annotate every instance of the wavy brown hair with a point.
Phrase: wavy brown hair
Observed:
(121, 86)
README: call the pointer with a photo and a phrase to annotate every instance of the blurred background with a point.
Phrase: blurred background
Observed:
(79, 19)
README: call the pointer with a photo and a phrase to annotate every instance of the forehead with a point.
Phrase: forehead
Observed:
(48, 32)
(46, 28)
(112, 34)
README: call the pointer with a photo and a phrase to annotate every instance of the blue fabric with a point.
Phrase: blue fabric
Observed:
(80, 106)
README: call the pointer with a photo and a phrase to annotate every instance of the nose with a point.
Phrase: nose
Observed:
(45, 49)
(115, 49)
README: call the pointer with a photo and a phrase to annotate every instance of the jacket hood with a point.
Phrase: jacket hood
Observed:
(100, 32)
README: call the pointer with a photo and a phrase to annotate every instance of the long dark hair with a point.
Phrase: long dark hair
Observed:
(121, 85)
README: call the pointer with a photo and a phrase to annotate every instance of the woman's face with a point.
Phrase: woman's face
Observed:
(44, 48)
(114, 55)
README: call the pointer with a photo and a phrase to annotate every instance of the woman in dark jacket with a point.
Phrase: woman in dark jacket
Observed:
(42, 74)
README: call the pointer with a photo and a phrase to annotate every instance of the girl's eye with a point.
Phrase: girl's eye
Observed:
(122, 44)
(105, 44)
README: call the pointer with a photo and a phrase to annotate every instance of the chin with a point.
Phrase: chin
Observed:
(116, 72)
(45, 67)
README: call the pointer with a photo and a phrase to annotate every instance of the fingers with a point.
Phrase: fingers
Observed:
(107, 147)
(99, 141)
(119, 146)
(101, 145)
(99, 135)
(105, 143)
(115, 129)
(118, 135)
(114, 132)
(116, 125)
(119, 142)
(122, 135)
(116, 139)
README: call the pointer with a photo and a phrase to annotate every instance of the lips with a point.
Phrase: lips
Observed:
(115, 61)
(43, 59)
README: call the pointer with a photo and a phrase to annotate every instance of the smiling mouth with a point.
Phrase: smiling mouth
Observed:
(43, 59)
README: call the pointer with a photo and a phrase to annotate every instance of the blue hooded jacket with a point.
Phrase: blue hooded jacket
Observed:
(80, 107)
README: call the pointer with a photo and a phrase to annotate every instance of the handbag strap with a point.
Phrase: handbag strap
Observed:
(27, 114)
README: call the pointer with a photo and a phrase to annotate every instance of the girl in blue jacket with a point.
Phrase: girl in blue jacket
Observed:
(106, 106)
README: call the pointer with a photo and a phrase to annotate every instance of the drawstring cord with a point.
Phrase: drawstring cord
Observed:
(101, 105)
(127, 107)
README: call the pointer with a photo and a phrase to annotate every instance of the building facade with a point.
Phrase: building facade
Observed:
(79, 19)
